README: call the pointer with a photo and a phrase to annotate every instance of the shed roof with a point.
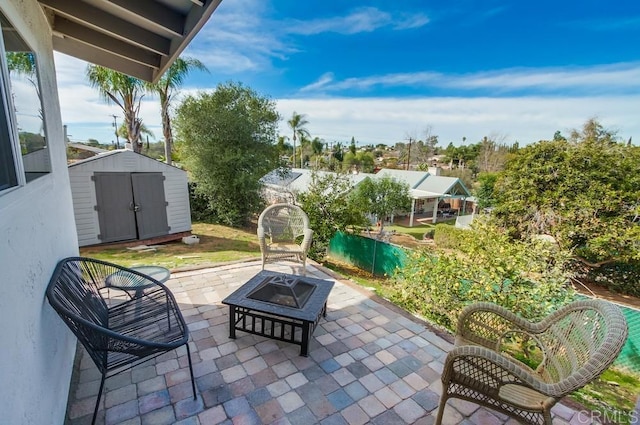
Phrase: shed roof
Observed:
(119, 152)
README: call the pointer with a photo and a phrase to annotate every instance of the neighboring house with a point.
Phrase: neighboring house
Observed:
(427, 191)
(36, 209)
(122, 195)
(280, 187)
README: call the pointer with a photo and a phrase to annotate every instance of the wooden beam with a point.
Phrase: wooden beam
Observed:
(97, 56)
(102, 41)
(194, 22)
(102, 21)
(154, 13)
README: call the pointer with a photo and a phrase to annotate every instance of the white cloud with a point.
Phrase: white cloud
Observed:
(522, 119)
(239, 37)
(590, 79)
(86, 113)
(366, 19)
(389, 119)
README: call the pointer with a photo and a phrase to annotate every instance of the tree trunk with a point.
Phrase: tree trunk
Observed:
(133, 129)
(166, 131)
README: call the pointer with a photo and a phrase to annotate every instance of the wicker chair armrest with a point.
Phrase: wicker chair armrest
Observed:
(306, 241)
(487, 324)
(262, 239)
(491, 369)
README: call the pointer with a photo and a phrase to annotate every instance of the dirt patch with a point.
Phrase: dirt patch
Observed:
(593, 290)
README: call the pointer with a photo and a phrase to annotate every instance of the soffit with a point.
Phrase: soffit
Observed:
(141, 38)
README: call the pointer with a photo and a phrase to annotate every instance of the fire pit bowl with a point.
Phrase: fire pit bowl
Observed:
(286, 290)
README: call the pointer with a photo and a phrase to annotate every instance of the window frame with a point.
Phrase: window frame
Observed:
(12, 173)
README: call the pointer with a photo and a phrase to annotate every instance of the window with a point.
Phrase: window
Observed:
(8, 175)
(23, 147)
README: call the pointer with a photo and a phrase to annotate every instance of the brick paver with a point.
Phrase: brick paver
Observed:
(367, 364)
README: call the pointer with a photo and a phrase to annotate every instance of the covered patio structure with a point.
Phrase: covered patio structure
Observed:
(427, 196)
(369, 363)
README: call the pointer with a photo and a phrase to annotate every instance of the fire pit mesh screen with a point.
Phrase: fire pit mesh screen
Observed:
(283, 290)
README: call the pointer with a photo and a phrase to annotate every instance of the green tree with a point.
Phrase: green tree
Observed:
(122, 131)
(382, 197)
(282, 145)
(330, 209)
(360, 161)
(124, 91)
(317, 145)
(485, 190)
(297, 124)
(583, 191)
(166, 88)
(228, 139)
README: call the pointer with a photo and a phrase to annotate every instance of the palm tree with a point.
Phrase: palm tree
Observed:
(124, 91)
(122, 131)
(297, 124)
(166, 87)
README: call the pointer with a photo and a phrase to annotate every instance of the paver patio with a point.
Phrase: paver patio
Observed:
(369, 363)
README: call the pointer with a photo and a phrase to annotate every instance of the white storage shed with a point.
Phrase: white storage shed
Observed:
(122, 195)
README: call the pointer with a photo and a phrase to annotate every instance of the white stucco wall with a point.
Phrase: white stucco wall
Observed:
(37, 228)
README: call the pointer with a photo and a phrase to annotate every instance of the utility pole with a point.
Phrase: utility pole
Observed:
(115, 130)
(409, 154)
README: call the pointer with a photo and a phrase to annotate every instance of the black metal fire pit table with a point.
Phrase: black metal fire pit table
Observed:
(279, 306)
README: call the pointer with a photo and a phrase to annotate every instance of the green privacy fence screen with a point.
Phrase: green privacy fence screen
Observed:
(377, 257)
(381, 258)
(629, 357)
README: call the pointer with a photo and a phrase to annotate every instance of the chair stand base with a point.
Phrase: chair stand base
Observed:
(95, 410)
(193, 381)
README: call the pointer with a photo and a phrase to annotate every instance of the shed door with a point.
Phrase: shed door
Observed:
(150, 204)
(114, 195)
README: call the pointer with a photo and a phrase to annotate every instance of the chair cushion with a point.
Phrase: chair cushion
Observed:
(523, 397)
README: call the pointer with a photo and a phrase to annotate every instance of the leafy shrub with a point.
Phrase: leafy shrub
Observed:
(429, 234)
(200, 210)
(448, 237)
(330, 210)
(529, 278)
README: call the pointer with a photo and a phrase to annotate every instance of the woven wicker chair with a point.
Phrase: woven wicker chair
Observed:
(578, 342)
(117, 335)
(284, 234)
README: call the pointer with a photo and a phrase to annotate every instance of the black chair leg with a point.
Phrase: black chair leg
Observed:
(95, 410)
(193, 381)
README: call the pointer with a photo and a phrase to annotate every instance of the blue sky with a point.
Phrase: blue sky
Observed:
(385, 71)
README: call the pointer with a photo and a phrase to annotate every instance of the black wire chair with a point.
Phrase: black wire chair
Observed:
(117, 334)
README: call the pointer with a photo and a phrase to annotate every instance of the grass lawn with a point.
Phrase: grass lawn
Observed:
(217, 244)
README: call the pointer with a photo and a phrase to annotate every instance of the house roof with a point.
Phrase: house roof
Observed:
(412, 178)
(299, 179)
(421, 183)
(141, 38)
(444, 185)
